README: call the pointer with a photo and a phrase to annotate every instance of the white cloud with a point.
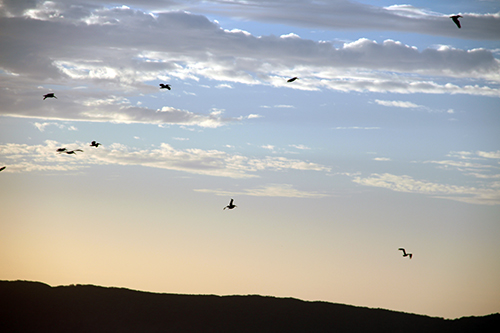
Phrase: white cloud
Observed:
(254, 116)
(271, 190)
(301, 147)
(490, 154)
(96, 54)
(197, 161)
(108, 109)
(384, 159)
(351, 15)
(41, 126)
(224, 85)
(399, 104)
(356, 128)
(284, 106)
(486, 195)
(270, 147)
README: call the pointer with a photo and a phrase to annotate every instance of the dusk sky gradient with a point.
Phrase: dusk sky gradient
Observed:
(389, 138)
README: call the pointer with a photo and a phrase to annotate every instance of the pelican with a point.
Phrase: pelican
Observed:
(230, 206)
(73, 151)
(165, 86)
(292, 79)
(404, 253)
(455, 19)
(49, 95)
(60, 150)
(95, 144)
(2, 168)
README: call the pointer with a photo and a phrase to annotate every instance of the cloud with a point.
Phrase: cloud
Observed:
(270, 147)
(398, 104)
(73, 107)
(96, 46)
(491, 154)
(223, 85)
(254, 116)
(485, 189)
(270, 190)
(301, 147)
(25, 158)
(384, 159)
(350, 15)
(487, 196)
(41, 126)
(356, 128)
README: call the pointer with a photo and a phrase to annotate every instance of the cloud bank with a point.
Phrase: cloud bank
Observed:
(100, 56)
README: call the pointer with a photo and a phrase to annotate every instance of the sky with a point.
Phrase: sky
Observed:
(389, 138)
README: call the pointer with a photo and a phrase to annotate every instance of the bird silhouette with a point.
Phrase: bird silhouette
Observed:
(73, 151)
(165, 86)
(49, 95)
(455, 19)
(230, 206)
(61, 150)
(2, 168)
(95, 144)
(292, 79)
(404, 253)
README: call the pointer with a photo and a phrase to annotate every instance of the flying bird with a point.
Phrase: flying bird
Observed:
(95, 144)
(73, 151)
(60, 150)
(404, 253)
(49, 95)
(230, 206)
(165, 86)
(455, 19)
(2, 168)
(292, 79)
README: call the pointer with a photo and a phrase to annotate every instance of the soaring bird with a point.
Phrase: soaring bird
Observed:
(165, 86)
(73, 151)
(49, 95)
(455, 19)
(61, 150)
(404, 253)
(292, 79)
(94, 144)
(2, 168)
(230, 206)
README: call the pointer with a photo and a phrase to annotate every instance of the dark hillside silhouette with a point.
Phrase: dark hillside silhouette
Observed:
(37, 307)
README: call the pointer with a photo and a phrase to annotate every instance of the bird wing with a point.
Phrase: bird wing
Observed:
(401, 249)
(231, 202)
(2, 168)
(457, 22)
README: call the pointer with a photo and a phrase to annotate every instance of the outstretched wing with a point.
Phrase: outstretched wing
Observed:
(401, 249)
(457, 22)
(2, 168)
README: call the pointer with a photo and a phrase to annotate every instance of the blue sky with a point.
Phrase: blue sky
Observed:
(388, 139)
